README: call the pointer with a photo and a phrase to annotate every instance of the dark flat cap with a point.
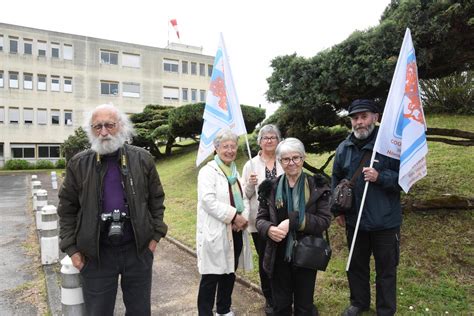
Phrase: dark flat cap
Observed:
(362, 105)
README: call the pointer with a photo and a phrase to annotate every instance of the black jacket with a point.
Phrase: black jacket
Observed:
(382, 209)
(317, 214)
(80, 201)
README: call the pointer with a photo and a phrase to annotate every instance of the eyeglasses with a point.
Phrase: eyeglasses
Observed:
(109, 126)
(296, 160)
(229, 147)
(269, 139)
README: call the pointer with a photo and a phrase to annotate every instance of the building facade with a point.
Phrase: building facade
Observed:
(48, 80)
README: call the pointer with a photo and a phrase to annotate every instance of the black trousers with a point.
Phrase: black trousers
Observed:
(293, 286)
(224, 283)
(100, 283)
(385, 246)
(260, 244)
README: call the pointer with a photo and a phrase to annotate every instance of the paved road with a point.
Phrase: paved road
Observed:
(15, 219)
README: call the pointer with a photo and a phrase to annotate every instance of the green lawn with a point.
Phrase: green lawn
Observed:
(436, 272)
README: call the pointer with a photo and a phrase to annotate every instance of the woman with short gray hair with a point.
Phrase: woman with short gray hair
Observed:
(291, 206)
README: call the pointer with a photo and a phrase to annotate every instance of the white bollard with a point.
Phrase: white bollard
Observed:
(54, 180)
(41, 200)
(35, 186)
(49, 235)
(72, 299)
(34, 177)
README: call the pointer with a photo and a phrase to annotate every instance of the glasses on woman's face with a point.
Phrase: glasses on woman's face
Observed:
(295, 159)
(228, 147)
(269, 138)
(108, 125)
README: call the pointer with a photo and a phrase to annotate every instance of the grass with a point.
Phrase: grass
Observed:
(435, 275)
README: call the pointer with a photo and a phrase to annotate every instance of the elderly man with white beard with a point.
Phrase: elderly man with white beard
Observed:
(379, 230)
(111, 215)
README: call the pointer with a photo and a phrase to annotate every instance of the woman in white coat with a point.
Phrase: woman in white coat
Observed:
(222, 241)
(261, 167)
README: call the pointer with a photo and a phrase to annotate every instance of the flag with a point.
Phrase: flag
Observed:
(174, 23)
(402, 130)
(222, 108)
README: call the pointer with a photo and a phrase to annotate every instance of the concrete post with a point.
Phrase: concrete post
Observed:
(72, 299)
(35, 186)
(49, 235)
(41, 201)
(54, 180)
(34, 177)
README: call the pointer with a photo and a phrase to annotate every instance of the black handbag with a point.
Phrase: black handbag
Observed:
(312, 252)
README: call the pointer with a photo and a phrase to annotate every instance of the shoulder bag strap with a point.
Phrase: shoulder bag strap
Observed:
(361, 165)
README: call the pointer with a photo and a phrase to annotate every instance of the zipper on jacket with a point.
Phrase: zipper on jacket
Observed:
(100, 180)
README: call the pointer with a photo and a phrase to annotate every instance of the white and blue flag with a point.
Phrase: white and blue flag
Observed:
(222, 105)
(402, 130)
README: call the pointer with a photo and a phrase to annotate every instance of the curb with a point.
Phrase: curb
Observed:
(189, 250)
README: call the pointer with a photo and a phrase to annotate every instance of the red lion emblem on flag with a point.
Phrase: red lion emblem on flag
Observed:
(217, 88)
(412, 93)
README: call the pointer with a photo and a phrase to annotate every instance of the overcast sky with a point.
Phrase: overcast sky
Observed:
(254, 31)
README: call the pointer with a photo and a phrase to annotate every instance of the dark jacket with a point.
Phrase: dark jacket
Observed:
(382, 208)
(80, 203)
(317, 214)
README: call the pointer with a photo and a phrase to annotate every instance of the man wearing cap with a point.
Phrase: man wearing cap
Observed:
(379, 229)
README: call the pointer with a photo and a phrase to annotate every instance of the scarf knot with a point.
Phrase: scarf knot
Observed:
(231, 174)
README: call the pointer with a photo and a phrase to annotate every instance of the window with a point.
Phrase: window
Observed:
(131, 60)
(42, 117)
(170, 93)
(67, 118)
(184, 92)
(1, 79)
(202, 95)
(2, 115)
(68, 53)
(42, 82)
(170, 65)
(55, 117)
(55, 50)
(13, 82)
(193, 69)
(67, 86)
(202, 69)
(13, 45)
(48, 151)
(209, 70)
(131, 89)
(184, 67)
(193, 95)
(42, 48)
(27, 46)
(27, 81)
(28, 116)
(14, 115)
(55, 83)
(108, 88)
(23, 150)
(1, 43)
(109, 58)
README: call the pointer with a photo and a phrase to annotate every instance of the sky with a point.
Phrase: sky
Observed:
(254, 32)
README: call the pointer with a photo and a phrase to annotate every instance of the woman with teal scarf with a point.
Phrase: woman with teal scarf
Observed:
(222, 242)
(291, 206)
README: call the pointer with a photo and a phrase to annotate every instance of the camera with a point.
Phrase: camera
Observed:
(116, 219)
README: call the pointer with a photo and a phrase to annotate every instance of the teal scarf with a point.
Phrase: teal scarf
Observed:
(231, 174)
(294, 200)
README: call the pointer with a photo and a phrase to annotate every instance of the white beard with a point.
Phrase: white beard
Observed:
(108, 144)
(363, 133)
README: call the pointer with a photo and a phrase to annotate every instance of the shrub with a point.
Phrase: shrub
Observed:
(44, 164)
(17, 164)
(61, 164)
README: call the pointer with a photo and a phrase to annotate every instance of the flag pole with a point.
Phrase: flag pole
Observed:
(354, 237)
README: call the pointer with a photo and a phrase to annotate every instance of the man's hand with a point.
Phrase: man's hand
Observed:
(276, 234)
(341, 221)
(240, 223)
(370, 174)
(78, 261)
(152, 245)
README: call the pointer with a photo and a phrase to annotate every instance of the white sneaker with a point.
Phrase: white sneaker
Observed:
(231, 313)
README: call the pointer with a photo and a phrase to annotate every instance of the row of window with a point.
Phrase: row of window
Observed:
(172, 65)
(13, 116)
(41, 82)
(172, 94)
(40, 48)
(32, 151)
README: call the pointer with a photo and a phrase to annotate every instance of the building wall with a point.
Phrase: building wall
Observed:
(160, 76)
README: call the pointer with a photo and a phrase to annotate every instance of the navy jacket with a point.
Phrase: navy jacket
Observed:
(382, 209)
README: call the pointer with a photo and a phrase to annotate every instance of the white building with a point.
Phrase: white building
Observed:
(49, 79)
